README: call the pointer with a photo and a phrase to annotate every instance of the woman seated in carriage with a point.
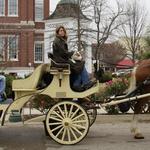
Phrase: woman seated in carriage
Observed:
(79, 76)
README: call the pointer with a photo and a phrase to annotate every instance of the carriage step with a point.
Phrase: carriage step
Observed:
(15, 116)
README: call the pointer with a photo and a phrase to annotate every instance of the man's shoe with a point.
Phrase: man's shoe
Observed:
(89, 85)
(78, 88)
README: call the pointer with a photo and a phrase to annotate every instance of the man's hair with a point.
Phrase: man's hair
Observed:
(57, 32)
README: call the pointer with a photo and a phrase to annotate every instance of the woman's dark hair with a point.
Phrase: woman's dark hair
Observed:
(57, 32)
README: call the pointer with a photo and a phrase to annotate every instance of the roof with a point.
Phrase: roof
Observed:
(125, 63)
(67, 8)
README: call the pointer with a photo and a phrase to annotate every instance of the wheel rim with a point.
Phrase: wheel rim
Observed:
(67, 123)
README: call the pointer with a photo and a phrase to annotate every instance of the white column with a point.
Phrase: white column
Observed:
(88, 59)
(47, 41)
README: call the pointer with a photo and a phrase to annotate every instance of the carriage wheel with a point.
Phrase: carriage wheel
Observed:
(92, 113)
(67, 123)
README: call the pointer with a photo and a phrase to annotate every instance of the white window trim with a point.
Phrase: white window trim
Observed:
(39, 20)
(8, 48)
(39, 42)
(9, 12)
(4, 10)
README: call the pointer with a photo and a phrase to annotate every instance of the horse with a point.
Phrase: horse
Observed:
(140, 74)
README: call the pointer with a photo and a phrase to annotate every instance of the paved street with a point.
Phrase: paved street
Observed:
(107, 135)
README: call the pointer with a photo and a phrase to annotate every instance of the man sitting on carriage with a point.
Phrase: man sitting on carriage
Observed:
(79, 76)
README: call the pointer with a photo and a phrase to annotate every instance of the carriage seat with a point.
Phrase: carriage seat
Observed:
(56, 68)
(31, 83)
(60, 69)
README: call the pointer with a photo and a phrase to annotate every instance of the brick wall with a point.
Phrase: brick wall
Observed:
(27, 33)
(46, 8)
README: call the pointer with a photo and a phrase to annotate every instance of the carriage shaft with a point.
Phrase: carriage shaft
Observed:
(125, 100)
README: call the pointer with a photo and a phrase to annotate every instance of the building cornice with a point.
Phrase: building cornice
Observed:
(21, 25)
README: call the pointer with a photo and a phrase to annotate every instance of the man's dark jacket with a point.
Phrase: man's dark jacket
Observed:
(62, 55)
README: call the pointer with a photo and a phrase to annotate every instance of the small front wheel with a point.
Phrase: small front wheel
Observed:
(67, 123)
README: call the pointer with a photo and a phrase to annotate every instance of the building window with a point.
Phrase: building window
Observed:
(38, 52)
(39, 10)
(2, 48)
(13, 7)
(2, 7)
(13, 48)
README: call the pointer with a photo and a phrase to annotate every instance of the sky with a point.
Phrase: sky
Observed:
(145, 3)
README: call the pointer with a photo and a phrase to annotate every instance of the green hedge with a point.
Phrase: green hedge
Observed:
(145, 55)
(107, 76)
(9, 79)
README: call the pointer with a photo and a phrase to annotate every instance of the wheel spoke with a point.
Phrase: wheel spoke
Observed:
(57, 128)
(56, 123)
(55, 119)
(74, 113)
(70, 111)
(59, 131)
(77, 130)
(68, 133)
(65, 108)
(79, 126)
(80, 121)
(64, 133)
(58, 115)
(77, 117)
(73, 134)
(62, 113)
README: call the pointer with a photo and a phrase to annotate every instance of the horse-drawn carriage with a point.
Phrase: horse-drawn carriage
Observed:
(68, 120)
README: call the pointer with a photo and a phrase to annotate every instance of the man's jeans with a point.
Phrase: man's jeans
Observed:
(81, 79)
(2, 85)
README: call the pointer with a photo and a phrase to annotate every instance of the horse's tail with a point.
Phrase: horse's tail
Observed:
(132, 81)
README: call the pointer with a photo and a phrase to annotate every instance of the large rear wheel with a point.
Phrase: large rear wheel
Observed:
(67, 123)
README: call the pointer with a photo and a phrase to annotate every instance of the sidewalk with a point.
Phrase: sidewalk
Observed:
(105, 118)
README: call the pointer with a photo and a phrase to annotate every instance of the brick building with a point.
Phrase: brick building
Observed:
(22, 34)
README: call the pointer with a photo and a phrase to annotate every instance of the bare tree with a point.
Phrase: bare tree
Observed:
(85, 8)
(107, 22)
(111, 52)
(133, 29)
(81, 30)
